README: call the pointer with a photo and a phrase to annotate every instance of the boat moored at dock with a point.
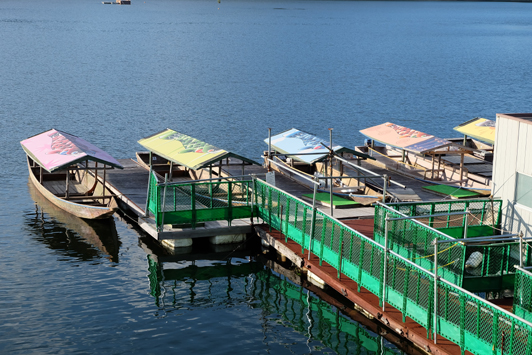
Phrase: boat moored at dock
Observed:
(64, 168)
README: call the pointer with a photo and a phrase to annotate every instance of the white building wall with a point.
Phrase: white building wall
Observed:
(513, 154)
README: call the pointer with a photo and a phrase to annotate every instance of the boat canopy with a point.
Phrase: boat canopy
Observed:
(56, 150)
(186, 151)
(295, 141)
(405, 138)
(478, 128)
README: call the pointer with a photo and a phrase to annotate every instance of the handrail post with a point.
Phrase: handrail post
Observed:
(385, 267)
(435, 325)
(466, 222)
(230, 202)
(164, 202)
(252, 197)
(269, 148)
(313, 220)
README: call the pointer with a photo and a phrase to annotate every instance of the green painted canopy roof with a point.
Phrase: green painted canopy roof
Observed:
(185, 150)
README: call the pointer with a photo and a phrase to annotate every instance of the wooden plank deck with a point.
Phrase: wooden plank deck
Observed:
(58, 187)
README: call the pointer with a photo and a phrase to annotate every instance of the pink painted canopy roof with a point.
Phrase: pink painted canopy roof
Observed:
(54, 150)
(405, 138)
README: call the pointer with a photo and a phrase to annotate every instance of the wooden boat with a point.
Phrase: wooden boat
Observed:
(429, 158)
(160, 165)
(64, 168)
(97, 237)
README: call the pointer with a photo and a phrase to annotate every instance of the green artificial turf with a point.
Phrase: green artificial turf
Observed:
(454, 191)
(337, 201)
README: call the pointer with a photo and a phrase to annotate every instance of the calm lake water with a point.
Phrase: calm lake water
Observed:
(223, 72)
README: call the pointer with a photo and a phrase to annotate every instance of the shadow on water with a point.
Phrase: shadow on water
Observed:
(281, 294)
(75, 237)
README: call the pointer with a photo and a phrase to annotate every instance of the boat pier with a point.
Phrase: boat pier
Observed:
(417, 267)
(423, 285)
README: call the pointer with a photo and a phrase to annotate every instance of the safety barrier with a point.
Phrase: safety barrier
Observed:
(484, 217)
(191, 203)
(523, 294)
(471, 322)
(477, 268)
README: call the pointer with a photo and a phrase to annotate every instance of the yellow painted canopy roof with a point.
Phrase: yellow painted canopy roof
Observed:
(185, 150)
(479, 128)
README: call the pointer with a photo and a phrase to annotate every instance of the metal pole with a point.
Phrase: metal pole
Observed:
(434, 326)
(520, 249)
(164, 202)
(466, 223)
(331, 163)
(312, 220)
(385, 263)
(369, 171)
(269, 147)
(384, 188)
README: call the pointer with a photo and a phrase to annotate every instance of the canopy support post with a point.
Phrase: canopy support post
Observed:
(67, 182)
(171, 169)
(104, 179)
(439, 164)
(432, 172)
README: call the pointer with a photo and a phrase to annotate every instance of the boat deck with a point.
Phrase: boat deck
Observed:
(57, 187)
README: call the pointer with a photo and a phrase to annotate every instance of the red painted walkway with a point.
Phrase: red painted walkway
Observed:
(392, 318)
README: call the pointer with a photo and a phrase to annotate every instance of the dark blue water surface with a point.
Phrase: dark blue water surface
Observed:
(222, 72)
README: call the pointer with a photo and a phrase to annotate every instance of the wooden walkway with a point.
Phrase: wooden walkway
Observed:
(130, 186)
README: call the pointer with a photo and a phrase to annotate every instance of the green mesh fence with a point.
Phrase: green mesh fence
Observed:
(523, 294)
(484, 217)
(152, 202)
(480, 268)
(471, 322)
(414, 242)
(188, 204)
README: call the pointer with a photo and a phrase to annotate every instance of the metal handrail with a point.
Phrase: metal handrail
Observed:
(293, 171)
(368, 171)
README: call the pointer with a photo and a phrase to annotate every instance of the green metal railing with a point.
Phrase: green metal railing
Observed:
(191, 203)
(523, 294)
(415, 242)
(484, 217)
(471, 322)
(478, 268)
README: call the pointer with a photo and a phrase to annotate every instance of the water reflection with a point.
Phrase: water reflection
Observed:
(281, 302)
(75, 237)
